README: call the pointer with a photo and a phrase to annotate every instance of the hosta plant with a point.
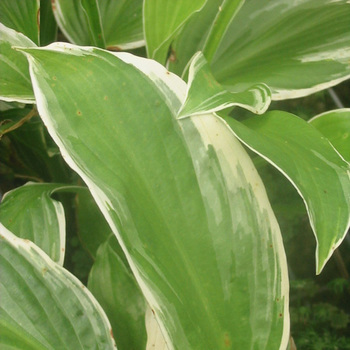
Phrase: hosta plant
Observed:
(141, 104)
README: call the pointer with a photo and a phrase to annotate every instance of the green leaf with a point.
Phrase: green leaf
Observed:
(312, 165)
(30, 212)
(93, 19)
(335, 125)
(193, 37)
(227, 11)
(22, 16)
(15, 84)
(114, 286)
(296, 48)
(205, 94)
(122, 23)
(48, 26)
(81, 22)
(182, 196)
(160, 33)
(43, 306)
(93, 229)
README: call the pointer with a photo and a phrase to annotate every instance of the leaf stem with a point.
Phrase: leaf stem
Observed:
(31, 114)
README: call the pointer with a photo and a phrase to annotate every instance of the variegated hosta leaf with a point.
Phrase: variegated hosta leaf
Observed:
(287, 45)
(114, 286)
(335, 125)
(22, 16)
(30, 212)
(182, 196)
(205, 94)
(43, 306)
(121, 22)
(162, 20)
(312, 165)
(295, 47)
(15, 84)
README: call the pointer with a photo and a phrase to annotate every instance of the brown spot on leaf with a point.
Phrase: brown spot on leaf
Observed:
(79, 113)
(227, 340)
(38, 18)
(172, 57)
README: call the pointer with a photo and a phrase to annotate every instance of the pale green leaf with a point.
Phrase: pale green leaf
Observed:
(205, 94)
(182, 196)
(22, 16)
(335, 125)
(114, 286)
(30, 212)
(121, 22)
(295, 47)
(162, 20)
(15, 84)
(308, 160)
(43, 306)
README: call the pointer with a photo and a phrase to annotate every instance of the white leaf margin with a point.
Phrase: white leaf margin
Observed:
(29, 250)
(15, 39)
(168, 83)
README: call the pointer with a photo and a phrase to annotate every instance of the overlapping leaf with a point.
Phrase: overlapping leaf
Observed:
(48, 25)
(43, 306)
(182, 196)
(121, 22)
(114, 286)
(30, 212)
(15, 84)
(335, 125)
(93, 229)
(296, 48)
(205, 94)
(22, 16)
(162, 20)
(317, 171)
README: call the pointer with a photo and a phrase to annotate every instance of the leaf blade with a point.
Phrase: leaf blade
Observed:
(52, 308)
(307, 164)
(205, 95)
(269, 42)
(159, 34)
(30, 213)
(164, 208)
(335, 125)
(15, 84)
